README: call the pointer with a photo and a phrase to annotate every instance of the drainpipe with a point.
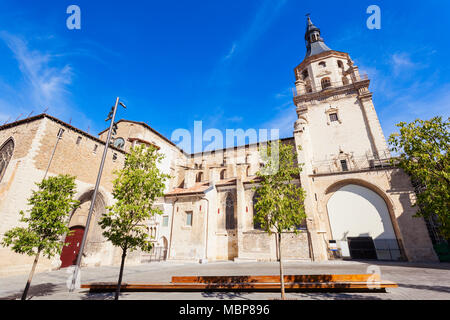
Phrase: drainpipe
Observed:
(169, 251)
(206, 227)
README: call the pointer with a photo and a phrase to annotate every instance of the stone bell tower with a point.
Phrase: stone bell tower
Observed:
(337, 126)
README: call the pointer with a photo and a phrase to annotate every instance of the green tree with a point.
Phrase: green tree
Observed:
(279, 207)
(46, 222)
(423, 153)
(136, 187)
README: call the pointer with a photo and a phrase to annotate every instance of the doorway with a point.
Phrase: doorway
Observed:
(362, 248)
(71, 249)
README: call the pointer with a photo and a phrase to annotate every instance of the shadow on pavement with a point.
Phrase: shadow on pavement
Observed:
(423, 287)
(224, 295)
(334, 296)
(39, 290)
(431, 265)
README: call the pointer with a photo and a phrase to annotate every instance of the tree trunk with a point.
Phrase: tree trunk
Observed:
(124, 254)
(25, 291)
(283, 297)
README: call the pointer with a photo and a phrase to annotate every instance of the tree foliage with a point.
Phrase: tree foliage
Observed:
(136, 188)
(279, 207)
(423, 148)
(280, 203)
(46, 222)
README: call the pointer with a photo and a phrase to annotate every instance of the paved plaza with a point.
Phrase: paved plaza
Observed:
(415, 281)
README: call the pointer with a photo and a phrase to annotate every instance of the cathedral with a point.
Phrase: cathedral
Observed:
(358, 205)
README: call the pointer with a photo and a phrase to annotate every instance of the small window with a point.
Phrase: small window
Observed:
(114, 156)
(95, 149)
(165, 222)
(222, 174)
(322, 64)
(340, 64)
(199, 177)
(78, 139)
(326, 82)
(344, 165)
(60, 133)
(189, 219)
(333, 117)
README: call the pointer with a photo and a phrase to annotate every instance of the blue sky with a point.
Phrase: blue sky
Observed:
(227, 63)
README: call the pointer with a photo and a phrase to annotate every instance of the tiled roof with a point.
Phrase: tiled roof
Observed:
(200, 187)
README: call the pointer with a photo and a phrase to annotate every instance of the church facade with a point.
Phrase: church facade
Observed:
(358, 205)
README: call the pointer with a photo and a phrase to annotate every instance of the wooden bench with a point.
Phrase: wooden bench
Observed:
(323, 282)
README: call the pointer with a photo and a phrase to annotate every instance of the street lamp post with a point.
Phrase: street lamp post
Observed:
(112, 116)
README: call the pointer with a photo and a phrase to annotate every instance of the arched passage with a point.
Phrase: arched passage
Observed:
(77, 225)
(360, 217)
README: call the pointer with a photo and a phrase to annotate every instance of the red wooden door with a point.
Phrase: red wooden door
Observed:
(69, 253)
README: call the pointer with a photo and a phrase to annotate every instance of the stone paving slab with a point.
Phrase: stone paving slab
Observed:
(416, 281)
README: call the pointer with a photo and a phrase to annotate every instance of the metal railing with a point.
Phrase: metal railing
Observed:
(349, 164)
(156, 254)
(329, 85)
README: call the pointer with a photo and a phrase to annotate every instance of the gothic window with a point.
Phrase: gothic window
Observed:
(229, 212)
(5, 156)
(199, 177)
(326, 82)
(256, 225)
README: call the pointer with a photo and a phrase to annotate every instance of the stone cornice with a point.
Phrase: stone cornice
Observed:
(319, 56)
(333, 91)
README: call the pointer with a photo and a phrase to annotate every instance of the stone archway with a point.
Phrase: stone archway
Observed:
(360, 218)
(77, 225)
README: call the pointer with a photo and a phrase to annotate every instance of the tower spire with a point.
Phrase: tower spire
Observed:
(314, 42)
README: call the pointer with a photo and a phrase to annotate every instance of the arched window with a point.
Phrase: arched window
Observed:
(119, 143)
(322, 64)
(222, 174)
(256, 225)
(305, 74)
(6, 152)
(308, 87)
(229, 212)
(326, 83)
(344, 80)
(340, 64)
(199, 177)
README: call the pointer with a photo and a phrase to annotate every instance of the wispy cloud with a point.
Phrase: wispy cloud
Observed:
(45, 83)
(230, 54)
(401, 62)
(264, 17)
(283, 120)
